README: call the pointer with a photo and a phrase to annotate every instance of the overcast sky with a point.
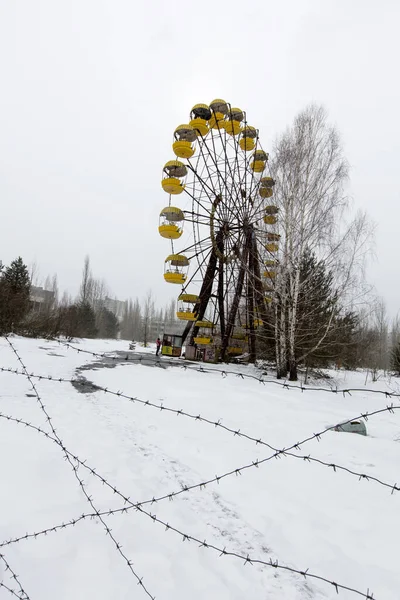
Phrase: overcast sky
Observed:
(92, 90)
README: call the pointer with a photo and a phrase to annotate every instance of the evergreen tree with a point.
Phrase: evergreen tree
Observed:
(342, 343)
(86, 320)
(315, 302)
(15, 289)
(78, 320)
(395, 358)
(109, 325)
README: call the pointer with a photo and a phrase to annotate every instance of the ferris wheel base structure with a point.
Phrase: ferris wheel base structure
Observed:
(222, 231)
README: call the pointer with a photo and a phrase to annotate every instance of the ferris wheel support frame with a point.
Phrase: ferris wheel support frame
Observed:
(206, 288)
(258, 287)
(250, 307)
(238, 291)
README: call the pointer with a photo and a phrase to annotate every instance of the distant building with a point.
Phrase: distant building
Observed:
(40, 297)
(158, 328)
(117, 307)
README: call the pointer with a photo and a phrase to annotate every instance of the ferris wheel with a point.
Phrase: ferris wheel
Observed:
(223, 230)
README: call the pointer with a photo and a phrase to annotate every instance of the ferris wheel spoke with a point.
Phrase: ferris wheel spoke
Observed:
(211, 174)
(239, 168)
(219, 173)
(197, 200)
(228, 166)
(200, 246)
(191, 217)
(200, 265)
(214, 161)
(210, 191)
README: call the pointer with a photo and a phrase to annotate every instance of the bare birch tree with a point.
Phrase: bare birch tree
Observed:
(148, 315)
(310, 172)
(86, 288)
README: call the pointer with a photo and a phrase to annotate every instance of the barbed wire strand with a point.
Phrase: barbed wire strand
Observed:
(203, 544)
(22, 593)
(68, 455)
(139, 506)
(236, 432)
(11, 591)
(225, 373)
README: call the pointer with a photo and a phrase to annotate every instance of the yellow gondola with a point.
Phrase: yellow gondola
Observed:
(273, 237)
(233, 119)
(169, 217)
(260, 155)
(219, 106)
(272, 247)
(175, 268)
(270, 274)
(257, 166)
(199, 116)
(265, 192)
(267, 182)
(236, 114)
(246, 144)
(247, 136)
(192, 298)
(217, 121)
(249, 132)
(204, 336)
(270, 217)
(183, 146)
(204, 324)
(186, 313)
(203, 341)
(232, 127)
(271, 263)
(235, 350)
(238, 336)
(174, 171)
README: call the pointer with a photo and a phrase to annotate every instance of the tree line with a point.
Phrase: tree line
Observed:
(91, 314)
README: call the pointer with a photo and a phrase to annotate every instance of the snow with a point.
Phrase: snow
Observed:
(302, 514)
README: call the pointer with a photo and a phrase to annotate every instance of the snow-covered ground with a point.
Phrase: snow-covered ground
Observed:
(300, 513)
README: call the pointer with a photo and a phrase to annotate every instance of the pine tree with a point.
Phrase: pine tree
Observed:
(15, 289)
(316, 301)
(86, 320)
(108, 324)
(395, 358)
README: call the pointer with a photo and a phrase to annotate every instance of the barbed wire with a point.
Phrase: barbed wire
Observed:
(185, 536)
(217, 478)
(138, 506)
(22, 593)
(11, 591)
(67, 455)
(202, 544)
(224, 373)
(236, 432)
